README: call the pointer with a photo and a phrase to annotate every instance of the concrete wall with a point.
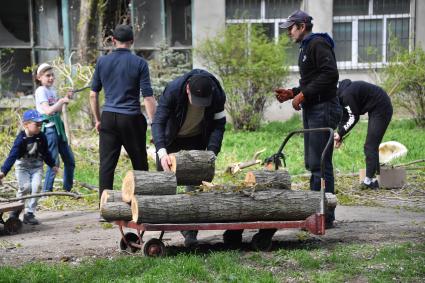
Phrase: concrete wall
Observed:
(321, 11)
(420, 24)
(208, 18)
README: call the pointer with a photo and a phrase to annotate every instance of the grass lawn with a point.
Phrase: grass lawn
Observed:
(312, 263)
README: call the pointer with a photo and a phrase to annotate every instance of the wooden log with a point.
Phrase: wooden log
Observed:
(148, 183)
(279, 179)
(274, 204)
(110, 196)
(117, 210)
(193, 166)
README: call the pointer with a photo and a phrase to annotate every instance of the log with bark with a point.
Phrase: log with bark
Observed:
(148, 183)
(275, 178)
(117, 210)
(228, 207)
(193, 166)
(110, 196)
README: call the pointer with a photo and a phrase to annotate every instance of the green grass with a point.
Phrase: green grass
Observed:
(310, 263)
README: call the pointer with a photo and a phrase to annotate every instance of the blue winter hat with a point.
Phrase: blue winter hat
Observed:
(32, 115)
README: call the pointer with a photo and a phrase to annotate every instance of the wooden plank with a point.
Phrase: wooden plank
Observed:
(11, 206)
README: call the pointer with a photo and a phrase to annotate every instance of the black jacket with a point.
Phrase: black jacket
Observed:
(318, 69)
(358, 98)
(172, 109)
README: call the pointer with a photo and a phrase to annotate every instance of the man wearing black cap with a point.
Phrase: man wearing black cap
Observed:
(123, 76)
(316, 95)
(190, 116)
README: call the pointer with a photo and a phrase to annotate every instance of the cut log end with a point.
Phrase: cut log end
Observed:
(134, 209)
(250, 179)
(103, 198)
(173, 166)
(128, 186)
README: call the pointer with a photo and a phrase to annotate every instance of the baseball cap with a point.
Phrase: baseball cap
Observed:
(296, 17)
(32, 115)
(123, 33)
(201, 88)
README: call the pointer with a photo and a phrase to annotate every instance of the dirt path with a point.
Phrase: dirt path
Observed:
(72, 236)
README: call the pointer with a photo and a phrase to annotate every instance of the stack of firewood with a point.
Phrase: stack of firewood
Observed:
(150, 197)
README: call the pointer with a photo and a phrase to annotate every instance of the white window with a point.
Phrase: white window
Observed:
(266, 13)
(362, 30)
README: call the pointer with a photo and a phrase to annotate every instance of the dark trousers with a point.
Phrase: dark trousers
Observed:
(379, 119)
(118, 130)
(325, 114)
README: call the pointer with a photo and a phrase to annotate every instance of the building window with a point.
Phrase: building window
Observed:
(363, 29)
(266, 13)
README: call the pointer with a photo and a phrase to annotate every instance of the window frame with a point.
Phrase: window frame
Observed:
(354, 20)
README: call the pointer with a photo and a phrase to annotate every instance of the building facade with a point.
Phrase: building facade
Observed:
(31, 31)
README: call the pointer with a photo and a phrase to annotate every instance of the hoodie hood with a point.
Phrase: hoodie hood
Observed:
(342, 85)
(314, 35)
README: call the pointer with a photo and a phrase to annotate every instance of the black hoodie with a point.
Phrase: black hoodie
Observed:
(358, 98)
(318, 69)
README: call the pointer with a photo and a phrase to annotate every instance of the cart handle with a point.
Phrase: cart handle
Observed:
(322, 165)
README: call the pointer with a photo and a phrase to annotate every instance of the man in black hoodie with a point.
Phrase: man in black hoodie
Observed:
(358, 98)
(316, 95)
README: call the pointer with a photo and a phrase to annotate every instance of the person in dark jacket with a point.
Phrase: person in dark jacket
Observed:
(190, 116)
(28, 152)
(358, 98)
(316, 95)
(124, 76)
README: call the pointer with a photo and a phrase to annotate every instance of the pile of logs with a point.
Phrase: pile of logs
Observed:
(150, 197)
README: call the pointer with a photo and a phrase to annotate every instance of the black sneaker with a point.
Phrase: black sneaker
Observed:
(29, 218)
(371, 186)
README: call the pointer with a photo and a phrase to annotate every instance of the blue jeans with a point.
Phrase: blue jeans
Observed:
(29, 176)
(325, 114)
(58, 146)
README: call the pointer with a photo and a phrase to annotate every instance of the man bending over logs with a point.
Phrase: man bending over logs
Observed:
(190, 116)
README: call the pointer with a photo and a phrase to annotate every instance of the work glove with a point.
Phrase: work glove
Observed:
(283, 94)
(296, 102)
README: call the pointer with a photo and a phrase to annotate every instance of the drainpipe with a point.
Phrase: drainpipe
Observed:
(66, 31)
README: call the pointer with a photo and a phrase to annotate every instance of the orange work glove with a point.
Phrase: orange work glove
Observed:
(296, 102)
(283, 94)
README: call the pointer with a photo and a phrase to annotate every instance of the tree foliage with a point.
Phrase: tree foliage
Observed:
(166, 66)
(250, 67)
(404, 80)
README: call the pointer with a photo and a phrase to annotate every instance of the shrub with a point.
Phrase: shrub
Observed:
(250, 67)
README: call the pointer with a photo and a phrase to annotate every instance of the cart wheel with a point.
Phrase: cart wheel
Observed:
(13, 225)
(261, 242)
(154, 247)
(130, 238)
(232, 238)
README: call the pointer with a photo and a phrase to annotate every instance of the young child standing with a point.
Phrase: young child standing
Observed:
(48, 104)
(28, 153)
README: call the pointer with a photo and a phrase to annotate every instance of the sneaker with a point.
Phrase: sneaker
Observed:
(190, 238)
(371, 186)
(101, 219)
(29, 218)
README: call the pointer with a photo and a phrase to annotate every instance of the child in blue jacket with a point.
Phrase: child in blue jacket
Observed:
(28, 152)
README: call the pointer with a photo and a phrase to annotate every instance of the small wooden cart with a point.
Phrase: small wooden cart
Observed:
(315, 223)
(11, 225)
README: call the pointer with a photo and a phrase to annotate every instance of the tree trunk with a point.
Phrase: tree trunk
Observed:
(228, 207)
(193, 166)
(112, 211)
(110, 196)
(278, 179)
(148, 183)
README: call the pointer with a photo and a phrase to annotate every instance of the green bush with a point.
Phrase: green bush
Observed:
(250, 66)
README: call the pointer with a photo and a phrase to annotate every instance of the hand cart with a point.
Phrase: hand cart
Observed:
(315, 223)
(13, 224)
